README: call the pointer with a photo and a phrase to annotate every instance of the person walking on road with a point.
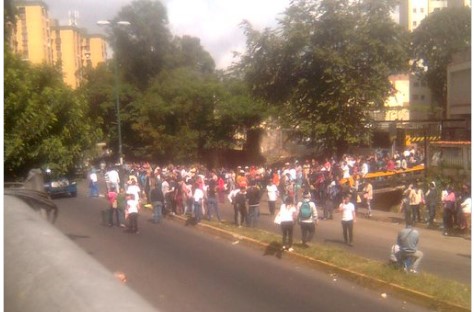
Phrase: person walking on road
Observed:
(348, 219)
(287, 215)
(307, 218)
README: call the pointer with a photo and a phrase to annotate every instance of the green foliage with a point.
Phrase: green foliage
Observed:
(46, 123)
(434, 42)
(325, 66)
(9, 20)
(150, 38)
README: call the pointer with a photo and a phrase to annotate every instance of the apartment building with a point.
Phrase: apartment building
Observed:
(39, 39)
(412, 12)
(32, 38)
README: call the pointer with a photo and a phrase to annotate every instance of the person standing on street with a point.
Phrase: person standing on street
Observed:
(133, 206)
(448, 198)
(368, 196)
(431, 197)
(416, 199)
(93, 184)
(212, 194)
(113, 206)
(157, 201)
(239, 200)
(121, 206)
(348, 219)
(253, 195)
(113, 179)
(287, 215)
(307, 218)
(272, 193)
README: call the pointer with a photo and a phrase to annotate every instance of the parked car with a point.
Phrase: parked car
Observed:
(59, 185)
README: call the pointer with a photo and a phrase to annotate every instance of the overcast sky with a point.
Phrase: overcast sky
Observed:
(215, 22)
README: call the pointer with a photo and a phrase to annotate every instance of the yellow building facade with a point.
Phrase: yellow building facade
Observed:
(40, 40)
(32, 40)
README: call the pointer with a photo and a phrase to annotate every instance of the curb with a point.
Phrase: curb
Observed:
(370, 282)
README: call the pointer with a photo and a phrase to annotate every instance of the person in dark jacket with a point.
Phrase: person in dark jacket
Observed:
(157, 200)
(253, 196)
(431, 200)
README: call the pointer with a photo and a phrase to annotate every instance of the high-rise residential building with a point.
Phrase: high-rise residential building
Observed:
(96, 50)
(412, 12)
(39, 39)
(31, 38)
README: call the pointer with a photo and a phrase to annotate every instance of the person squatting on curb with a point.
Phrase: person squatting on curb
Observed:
(407, 240)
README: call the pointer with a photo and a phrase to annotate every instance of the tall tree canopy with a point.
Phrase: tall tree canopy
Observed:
(144, 47)
(434, 42)
(326, 66)
(173, 104)
(46, 123)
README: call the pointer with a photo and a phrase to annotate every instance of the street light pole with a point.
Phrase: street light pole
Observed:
(117, 93)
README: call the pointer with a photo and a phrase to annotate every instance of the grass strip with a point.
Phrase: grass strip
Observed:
(440, 289)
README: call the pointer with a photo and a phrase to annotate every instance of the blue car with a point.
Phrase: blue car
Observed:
(59, 186)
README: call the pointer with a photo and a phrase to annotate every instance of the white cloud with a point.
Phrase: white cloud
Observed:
(215, 22)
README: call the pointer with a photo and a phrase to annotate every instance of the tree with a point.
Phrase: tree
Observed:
(144, 47)
(326, 66)
(434, 42)
(46, 123)
(9, 21)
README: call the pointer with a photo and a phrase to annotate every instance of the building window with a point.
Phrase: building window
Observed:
(414, 23)
(422, 10)
(416, 84)
(422, 97)
(415, 97)
(414, 10)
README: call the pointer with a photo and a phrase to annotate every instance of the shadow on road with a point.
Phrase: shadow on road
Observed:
(274, 249)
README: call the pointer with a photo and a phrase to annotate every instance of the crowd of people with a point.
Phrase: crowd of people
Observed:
(198, 191)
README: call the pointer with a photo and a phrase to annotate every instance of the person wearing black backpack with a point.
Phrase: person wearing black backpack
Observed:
(240, 206)
(307, 218)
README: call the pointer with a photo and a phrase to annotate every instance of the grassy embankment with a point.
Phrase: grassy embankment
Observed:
(382, 275)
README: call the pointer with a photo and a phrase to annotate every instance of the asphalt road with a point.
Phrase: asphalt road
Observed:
(178, 268)
(447, 257)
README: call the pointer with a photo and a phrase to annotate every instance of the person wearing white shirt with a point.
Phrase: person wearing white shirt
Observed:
(287, 216)
(113, 179)
(93, 183)
(348, 218)
(133, 206)
(272, 193)
(198, 196)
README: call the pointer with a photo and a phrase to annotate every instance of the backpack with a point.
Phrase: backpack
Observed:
(305, 211)
(240, 199)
